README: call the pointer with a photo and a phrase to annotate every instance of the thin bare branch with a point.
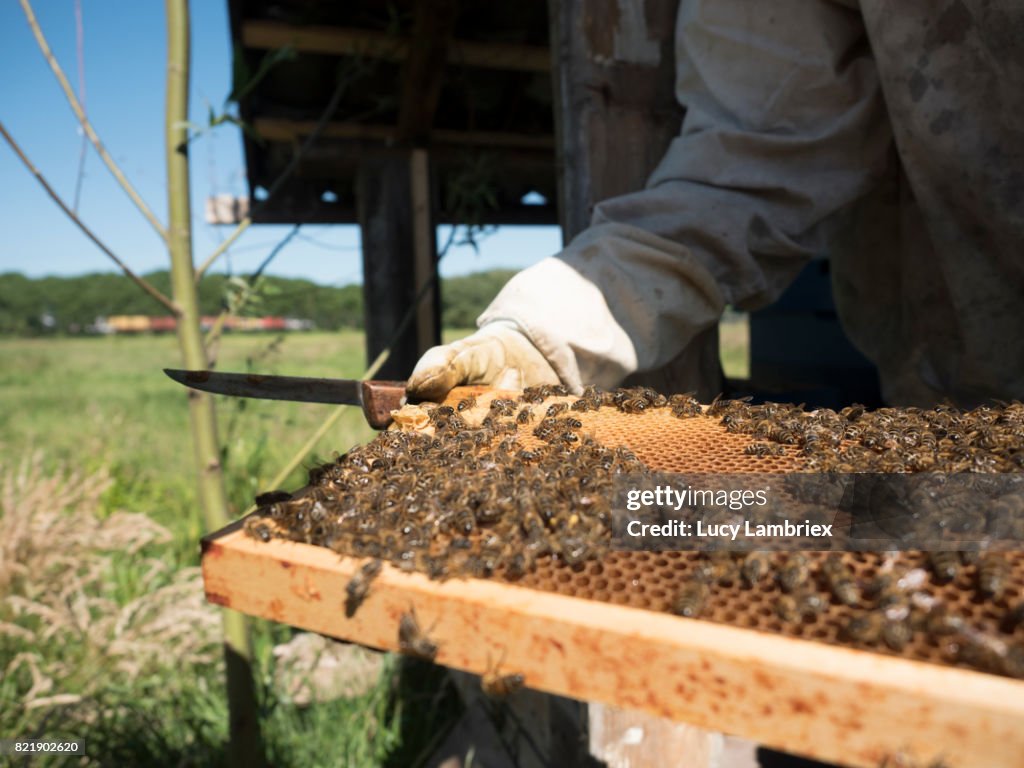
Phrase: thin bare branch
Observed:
(325, 117)
(145, 286)
(213, 335)
(80, 61)
(219, 250)
(84, 121)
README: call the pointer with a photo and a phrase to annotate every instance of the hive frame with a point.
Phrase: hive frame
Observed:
(827, 702)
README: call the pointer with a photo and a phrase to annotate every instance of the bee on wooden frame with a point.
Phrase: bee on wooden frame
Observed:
(412, 640)
(256, 527)
(359, 586)
(498, 686)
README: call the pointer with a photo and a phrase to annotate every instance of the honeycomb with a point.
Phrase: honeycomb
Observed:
(648, 580)
(704, 443)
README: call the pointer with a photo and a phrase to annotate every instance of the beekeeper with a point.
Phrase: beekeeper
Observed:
(888, 136)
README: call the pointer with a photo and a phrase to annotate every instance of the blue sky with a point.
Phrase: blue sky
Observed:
(124, 58)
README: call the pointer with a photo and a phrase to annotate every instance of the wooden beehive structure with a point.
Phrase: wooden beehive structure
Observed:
(600, 632)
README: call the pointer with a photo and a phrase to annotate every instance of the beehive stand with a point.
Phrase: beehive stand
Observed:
(601, 633)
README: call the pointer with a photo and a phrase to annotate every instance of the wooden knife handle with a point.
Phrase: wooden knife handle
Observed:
(380, 398)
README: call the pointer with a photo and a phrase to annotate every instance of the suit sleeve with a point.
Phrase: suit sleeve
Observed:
(785, 127)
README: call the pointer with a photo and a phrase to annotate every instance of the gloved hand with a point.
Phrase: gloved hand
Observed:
(498, 355)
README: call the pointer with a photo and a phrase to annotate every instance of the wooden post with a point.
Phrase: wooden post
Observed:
(424, 253)
(399, 256)
(615, 109)
(614, 82)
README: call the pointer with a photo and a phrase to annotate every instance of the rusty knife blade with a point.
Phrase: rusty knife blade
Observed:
(294, 388)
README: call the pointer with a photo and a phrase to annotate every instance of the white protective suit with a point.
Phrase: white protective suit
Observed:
(886, 135)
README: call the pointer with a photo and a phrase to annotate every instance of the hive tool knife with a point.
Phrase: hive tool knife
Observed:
(377, 398)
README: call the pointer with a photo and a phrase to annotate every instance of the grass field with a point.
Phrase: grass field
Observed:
(104, 634)
(104, 402)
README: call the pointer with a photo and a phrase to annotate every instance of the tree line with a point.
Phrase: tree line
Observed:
(69, 305)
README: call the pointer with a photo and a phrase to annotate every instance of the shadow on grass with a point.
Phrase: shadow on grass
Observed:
(426, 706)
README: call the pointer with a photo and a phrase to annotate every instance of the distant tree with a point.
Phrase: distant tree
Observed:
(76, 302)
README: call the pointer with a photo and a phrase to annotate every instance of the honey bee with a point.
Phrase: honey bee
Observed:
(689, 599)
(503, 407)
(498, 686)
(359, 586)
(545, 430)
(993, 573)
(800, 605)
(977, 651)
(945, 565)
(794, 573)
(466, 403)
(556, 390)
(865, 628)
(412, 641)
(556, 408)
(654, 398)
(853, 412)
(257, 528)
(762, 450)
(525, 415)
(684, 406)
(840, 580)
(897, 633)
(591, 400)
(755, 567)
(634, 405)
(787, 608)
(725, 567)
(436, 568)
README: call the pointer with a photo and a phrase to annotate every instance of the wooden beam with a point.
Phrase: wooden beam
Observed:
(423, 71)
(284, 130)
(292, 212)
(385, 204)
(342, 41)
(615, 107)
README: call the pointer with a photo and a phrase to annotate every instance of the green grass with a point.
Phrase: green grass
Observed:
(734, 345)
(104, 405)
(105, 402)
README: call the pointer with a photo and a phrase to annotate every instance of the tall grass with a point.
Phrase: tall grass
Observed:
(104, 632)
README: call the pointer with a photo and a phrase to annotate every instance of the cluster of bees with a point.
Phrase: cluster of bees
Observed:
(467, 500)
(889, 610)
(471, 497)
(989, 438)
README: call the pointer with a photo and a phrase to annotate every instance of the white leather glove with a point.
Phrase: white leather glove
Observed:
(497, 355)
